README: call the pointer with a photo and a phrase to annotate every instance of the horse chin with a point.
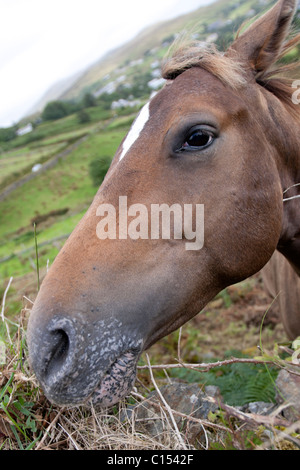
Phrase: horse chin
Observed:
(117, 381)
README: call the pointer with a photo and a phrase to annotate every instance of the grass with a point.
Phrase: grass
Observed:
(66, 185)
(239, 384)
(16, 161)
(54, 131)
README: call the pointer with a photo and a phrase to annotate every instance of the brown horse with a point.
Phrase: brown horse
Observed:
(223, 135)
(282, 283)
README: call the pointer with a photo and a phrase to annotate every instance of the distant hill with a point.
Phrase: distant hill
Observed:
(55, 92)
(217, 22)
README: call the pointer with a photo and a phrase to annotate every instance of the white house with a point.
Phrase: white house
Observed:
(36, 167)
(121, 103)
(25, 130)
(156, 83)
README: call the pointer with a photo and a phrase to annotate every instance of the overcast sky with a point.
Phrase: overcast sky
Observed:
(44, 41)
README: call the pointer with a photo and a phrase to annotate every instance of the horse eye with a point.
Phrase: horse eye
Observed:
(197, 140)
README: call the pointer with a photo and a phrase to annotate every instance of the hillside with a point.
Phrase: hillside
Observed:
(217, 22)
(55, 92)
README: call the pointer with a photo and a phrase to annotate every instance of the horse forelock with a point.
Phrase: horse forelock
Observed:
(206, 56)
(232, 71)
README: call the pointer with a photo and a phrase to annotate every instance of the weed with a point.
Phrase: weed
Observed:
(37, 258)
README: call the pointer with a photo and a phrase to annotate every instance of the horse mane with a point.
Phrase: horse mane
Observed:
(231, 71)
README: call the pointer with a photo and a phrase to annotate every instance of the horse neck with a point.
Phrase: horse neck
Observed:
(289, 172)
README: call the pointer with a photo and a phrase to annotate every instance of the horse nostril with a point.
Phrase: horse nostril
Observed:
(58, 353)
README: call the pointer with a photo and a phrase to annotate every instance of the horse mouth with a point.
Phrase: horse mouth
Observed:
(117, 382)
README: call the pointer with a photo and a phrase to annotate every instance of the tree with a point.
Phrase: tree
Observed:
(88, 100)
(83, 117)
(98, 169)
(54, 110)
(7, 133)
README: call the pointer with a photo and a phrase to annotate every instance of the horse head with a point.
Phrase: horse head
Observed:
(192, 203)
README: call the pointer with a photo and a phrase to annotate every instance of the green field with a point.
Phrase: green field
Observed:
(56, 199)
(67, 185)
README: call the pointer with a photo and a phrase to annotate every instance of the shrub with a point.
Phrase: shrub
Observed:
(54, 110)
(7, 134)
(88, 100)
(83, 117)
(98, 169)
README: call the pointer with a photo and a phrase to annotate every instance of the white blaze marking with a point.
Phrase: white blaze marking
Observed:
(136, 129)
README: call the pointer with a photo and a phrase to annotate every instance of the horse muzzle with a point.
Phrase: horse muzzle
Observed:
(77, 363)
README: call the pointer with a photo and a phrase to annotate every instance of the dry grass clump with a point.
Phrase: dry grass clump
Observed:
(86, 428)
(29, 421)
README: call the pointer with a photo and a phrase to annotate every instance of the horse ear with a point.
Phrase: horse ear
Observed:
(260, 45)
